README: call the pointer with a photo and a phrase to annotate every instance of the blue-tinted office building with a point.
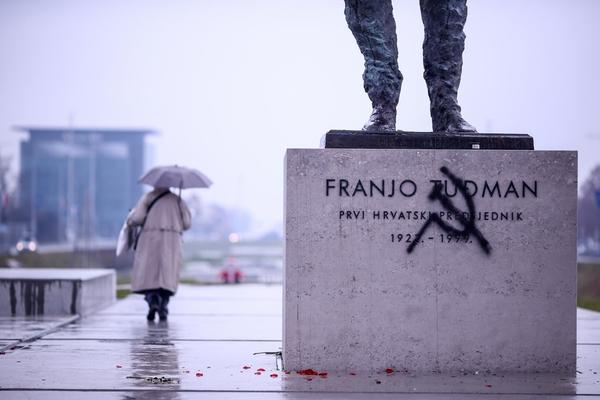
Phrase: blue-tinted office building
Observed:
(79, 183)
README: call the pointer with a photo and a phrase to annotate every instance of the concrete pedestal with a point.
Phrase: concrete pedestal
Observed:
(51, 291)
(430, 260)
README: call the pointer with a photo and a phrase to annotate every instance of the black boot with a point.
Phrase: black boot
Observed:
(444, 22)
(163, 310)
(153, 300)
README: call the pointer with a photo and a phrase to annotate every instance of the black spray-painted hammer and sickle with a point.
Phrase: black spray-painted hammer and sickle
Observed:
(468, 223)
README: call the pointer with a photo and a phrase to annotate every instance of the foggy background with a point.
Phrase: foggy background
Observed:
(231, 84)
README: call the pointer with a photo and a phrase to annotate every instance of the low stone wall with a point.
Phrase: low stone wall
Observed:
(49, 291)
(97, 258)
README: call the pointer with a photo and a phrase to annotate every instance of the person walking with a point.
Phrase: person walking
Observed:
(163, 216)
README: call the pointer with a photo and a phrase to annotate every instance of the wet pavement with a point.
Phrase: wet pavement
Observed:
(206, 350)
(15, 330)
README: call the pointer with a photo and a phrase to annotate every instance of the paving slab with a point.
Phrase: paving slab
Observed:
(12, 328)
(186, 327)
(6, 343)
(588, 326)
(112, 355)
(231, 292)
(169, 395)
(250, 299)
(126, 365)
(589, 332)
(583, 314)
(200, 306)
(15, 330)
(117, 365)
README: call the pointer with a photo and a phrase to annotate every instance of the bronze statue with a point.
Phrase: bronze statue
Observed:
(373, 26)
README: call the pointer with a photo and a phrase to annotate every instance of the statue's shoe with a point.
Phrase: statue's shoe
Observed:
(383, 119)
(455, 124)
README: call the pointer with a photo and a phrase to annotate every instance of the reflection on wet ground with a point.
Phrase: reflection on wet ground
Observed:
(154, 359)
(207, 349)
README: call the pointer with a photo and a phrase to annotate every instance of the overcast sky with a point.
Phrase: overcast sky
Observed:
(231, 84)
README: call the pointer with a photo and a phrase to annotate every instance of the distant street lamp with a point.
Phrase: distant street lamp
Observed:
(234, 237)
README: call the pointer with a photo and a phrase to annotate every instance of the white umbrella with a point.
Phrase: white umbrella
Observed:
(175, 176)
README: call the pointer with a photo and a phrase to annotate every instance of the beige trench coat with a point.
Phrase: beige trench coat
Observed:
(158, 256)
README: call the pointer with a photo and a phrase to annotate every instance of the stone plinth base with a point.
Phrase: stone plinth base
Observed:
(51, 291)
(430, 260)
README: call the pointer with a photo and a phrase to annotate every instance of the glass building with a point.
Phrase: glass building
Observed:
(78, 184)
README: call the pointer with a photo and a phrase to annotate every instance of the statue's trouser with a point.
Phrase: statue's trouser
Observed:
(373, 26)
(372, 23)
(444, 43)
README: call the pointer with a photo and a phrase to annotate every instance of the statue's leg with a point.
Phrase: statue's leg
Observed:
(444, 43)
(372, 24)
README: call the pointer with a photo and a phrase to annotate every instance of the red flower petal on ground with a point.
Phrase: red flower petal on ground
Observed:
(261, 370)
(246, 367)
(274, 375)
(323, 374)
(287, 372)
(309, 371)
(389, 370)
(199, 374)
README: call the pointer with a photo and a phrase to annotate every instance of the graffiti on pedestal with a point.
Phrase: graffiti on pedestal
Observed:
(465, 218)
